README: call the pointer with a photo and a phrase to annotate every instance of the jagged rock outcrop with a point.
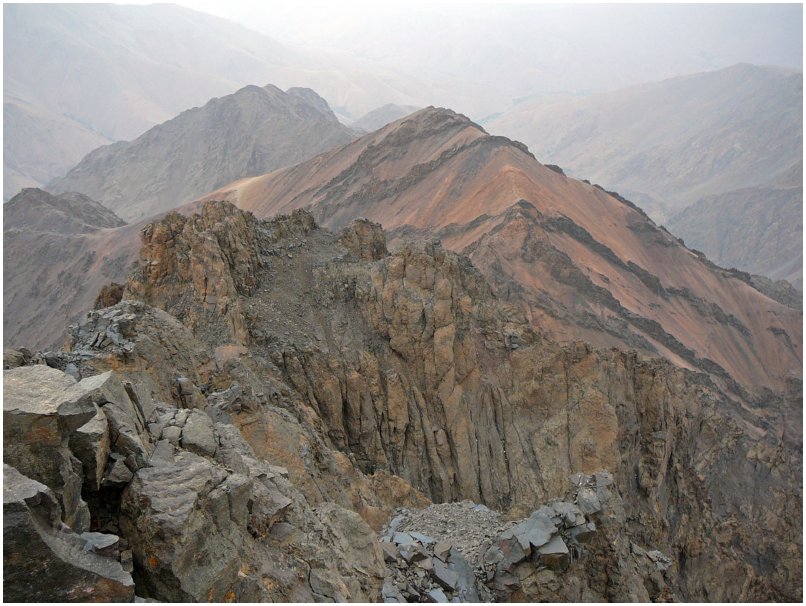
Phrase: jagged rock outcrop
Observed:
(409, 365)
(334, 381)
(199, 517)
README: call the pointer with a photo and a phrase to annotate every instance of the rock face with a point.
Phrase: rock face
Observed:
(413, 368)
(219, 525)
(295, 387)
(247, 133)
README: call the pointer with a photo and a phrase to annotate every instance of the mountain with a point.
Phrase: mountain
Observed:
(668, 144)
(58, 251)
(289, 401)
(756, 229)
(583, 263)
(37, 210)
(39, 145)
(89, 74)
(247, 133)
(382, 116)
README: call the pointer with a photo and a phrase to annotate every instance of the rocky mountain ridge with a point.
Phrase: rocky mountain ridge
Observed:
(582, 262)
(380, 380)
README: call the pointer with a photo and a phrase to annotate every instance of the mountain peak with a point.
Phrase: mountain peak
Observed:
(252, 131)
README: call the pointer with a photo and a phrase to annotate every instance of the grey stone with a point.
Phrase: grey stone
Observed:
(42, 406)
(412, 552)
(662, 562)
(163, 454)
(281, 530)
(101, 543)
(570, 514)
(588, 501)
(442, 549)
(583, 533)
(198, 435)
(390, 592)
(403, 538)
(466, 582)
(90, 444)
(512, 551)
(603, 478)
(554, 554)
(437, 596)
(424, 539)
(173, 434)
(443, 575)
(127, 422)
(118, 473)
(390, 552)
(534, 531)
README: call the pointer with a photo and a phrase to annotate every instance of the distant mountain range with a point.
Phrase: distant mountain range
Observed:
(382, 116)
(671, 144)
(758, 229)
(84, 75)
(249, 132)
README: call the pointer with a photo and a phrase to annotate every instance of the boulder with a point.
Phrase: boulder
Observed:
(43, 561)
(198, 435)
(445, 575)
(391, 593)
(554, 554)
(466, 579)
(42, 406)
(534, 531)
(127, 421)
(588, 501)
(437, 596)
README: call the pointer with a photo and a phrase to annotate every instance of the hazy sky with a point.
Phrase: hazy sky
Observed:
(758, 33)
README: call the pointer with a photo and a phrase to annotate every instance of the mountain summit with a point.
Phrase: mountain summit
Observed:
(252, 131)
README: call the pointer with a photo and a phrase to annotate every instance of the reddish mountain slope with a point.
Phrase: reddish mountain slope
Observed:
(585, 264)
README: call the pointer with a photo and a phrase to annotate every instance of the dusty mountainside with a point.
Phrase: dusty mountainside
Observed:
(247, 133)
(317, 376)
(39, 146)
(667, 144)
(382, 116)
(58, 251)
(581, 262)
(756, 229)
